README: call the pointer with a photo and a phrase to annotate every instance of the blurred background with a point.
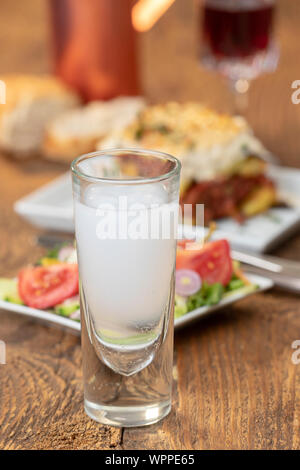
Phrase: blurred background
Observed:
(246, 395)
(170, 67)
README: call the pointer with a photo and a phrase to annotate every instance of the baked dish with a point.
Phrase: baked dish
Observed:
(223, 164)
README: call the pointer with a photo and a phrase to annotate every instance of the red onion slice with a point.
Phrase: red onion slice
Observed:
(65, 252)
(188, 282)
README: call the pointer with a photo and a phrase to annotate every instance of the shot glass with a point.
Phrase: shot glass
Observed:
(126, 212)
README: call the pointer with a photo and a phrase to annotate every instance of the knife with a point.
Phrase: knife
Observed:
(284, 273)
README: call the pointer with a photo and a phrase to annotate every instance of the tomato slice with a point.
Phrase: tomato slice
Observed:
(43, 287)
(212, 262)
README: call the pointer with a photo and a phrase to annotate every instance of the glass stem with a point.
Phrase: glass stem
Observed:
(240, 89)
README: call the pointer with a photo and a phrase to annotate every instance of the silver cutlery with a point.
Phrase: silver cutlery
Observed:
(284, 273)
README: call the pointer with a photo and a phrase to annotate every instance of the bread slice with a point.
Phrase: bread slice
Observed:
(77, 131)
(31, 101)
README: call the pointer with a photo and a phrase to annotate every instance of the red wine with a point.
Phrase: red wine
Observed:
(237, 29)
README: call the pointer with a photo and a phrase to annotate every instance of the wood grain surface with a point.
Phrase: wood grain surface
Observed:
(235, 386)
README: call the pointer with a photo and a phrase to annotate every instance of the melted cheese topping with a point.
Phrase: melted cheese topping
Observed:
(209, 144)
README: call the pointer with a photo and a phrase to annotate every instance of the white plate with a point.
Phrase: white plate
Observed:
(72, 326)
(42, 316)
(50, 207)
(263, 284)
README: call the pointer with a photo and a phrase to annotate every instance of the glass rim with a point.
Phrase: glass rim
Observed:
(133, 181)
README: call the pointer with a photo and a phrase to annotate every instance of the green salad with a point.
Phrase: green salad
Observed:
(203, 279)
(209, 295)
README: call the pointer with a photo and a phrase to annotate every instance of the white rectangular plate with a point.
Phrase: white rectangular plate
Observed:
(51, 319)
(50, 207)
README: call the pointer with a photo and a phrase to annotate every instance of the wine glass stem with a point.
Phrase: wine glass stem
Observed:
(240, 89)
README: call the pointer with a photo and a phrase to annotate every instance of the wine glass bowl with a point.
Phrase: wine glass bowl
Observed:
(237, 40)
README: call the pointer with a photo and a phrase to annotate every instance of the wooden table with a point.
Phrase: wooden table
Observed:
(235, 385)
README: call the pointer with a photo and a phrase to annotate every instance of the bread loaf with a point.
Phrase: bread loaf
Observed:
(31, 102)
(79, 130)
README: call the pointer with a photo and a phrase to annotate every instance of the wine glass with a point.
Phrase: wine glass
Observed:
(237, 41)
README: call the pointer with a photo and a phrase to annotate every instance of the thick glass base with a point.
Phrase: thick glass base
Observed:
(127, 416)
